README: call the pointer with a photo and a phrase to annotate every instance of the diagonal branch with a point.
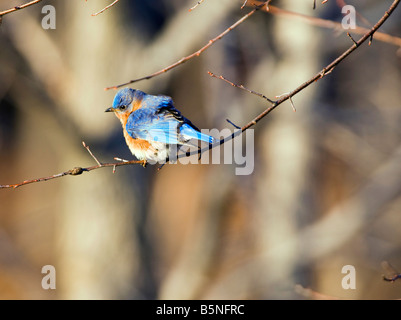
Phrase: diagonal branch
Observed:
(274, 10)
(328, 24)
(105, 8)
(195, 54)
(2, 13)
(325, 71)
(197, 4)
(240, 86)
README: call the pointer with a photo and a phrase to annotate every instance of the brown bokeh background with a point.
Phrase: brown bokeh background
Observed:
(326, 187)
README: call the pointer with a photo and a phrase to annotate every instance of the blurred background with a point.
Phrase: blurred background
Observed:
(325, 191)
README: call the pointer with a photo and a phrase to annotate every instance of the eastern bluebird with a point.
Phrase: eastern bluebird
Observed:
(152, 125)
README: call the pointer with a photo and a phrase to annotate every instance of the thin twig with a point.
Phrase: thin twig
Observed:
(292, 105)
(77, 170)
(328, 24)
(2, 13)
(197, 4)
(314, 3)
(90, 152)
(105, 8)
(195, 54)
(240, 86)
(349, 35)
(233, 124)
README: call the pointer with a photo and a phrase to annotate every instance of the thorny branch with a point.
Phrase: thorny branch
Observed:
(288, 96)
(2, 13)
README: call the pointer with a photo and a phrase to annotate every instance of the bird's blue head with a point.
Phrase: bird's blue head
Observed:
(125, 100)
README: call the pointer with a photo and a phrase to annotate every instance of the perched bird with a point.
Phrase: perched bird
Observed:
(152, 126)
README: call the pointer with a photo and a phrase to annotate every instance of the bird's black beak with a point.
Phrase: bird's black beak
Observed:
(109, 109)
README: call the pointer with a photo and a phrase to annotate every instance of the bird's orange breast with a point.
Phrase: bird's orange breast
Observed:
(138, 147)
(140, 144)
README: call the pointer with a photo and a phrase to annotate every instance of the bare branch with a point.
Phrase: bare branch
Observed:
(90, 152)
(195, 54)
(76, 170)
(233, 124)
(325, 71)
(2, 13)
(105, 8)
(197, 4)
(328, 24)
(292, 105)
(314, 3)
(349, 35)
(240, 86)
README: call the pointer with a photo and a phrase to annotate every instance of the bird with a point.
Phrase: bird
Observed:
(153, 128)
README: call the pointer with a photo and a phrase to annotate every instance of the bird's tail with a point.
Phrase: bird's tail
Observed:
(191, 133)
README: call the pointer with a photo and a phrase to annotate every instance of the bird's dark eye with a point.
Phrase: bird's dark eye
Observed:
(123, 107)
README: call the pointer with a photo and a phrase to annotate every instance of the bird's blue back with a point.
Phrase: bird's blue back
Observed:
(158, 120)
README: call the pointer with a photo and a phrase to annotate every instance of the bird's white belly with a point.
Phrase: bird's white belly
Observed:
(158, 153)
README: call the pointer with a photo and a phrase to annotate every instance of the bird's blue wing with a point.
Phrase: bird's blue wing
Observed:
(159, 120)
(149, 125)
(187, 130)
(190, 133)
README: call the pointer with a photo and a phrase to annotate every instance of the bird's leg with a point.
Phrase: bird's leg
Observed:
(144, 163)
